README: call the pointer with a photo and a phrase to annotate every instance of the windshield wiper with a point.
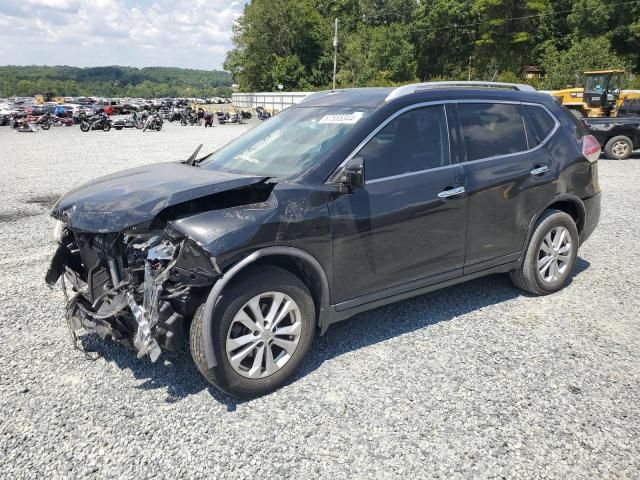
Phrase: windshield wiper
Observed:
(192, 161)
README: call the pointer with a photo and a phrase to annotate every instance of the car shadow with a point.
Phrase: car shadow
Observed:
(178, 375)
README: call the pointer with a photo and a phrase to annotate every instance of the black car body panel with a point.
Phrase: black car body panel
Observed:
(136, 196)
(186, 232)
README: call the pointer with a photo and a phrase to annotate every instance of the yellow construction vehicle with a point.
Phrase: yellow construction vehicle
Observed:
(601, 96)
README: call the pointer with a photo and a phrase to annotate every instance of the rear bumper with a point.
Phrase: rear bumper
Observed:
(592, 216)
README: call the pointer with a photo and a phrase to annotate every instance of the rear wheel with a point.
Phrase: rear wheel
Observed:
(45, 126)
(550, 256)
(619, 148)
(106, 127)
(263, 325)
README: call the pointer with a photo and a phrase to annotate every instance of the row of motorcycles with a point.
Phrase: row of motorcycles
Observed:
(143, 121)
(189, 116)
(31, 124)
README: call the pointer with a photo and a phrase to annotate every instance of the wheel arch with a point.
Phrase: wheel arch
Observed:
(565, 202)
(302, 264)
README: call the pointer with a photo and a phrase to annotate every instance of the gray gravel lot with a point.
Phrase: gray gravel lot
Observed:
(473, 381)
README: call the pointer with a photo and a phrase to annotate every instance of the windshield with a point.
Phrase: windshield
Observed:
(287, 144)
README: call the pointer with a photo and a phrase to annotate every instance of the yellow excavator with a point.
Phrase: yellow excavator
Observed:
(601, 96)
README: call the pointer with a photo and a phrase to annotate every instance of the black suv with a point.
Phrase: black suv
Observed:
(350, 200)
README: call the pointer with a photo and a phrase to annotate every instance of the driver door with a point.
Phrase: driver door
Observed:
(407, 223)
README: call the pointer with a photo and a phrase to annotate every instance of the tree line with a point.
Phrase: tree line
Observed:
(113, 81)
(389, 42)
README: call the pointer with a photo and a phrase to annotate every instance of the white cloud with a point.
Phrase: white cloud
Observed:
(180, 33)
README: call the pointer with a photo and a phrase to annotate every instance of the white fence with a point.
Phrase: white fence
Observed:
(271, 101)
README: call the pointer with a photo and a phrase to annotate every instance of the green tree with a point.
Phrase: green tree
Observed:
(565, 68)
(282, 35)
(376, 56)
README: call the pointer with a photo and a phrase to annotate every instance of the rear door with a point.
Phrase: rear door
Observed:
(509, 177)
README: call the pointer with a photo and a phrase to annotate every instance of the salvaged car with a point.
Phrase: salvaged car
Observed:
(350, 200)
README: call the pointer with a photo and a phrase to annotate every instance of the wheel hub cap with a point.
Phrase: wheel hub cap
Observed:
(620, 148)
(554, 256)
(263, 335)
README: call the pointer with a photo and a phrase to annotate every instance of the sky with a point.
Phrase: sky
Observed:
(136, 33)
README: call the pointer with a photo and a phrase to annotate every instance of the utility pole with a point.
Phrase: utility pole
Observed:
(469, 68)
(335, 52)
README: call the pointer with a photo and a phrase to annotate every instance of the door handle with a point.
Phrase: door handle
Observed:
(451, 192)
(539, 170)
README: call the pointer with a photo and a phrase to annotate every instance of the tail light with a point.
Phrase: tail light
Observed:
(590, 148)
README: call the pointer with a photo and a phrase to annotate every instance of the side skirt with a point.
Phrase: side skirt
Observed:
(348, 309)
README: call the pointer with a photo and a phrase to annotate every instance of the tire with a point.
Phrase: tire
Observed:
(183, 122)
(528, 276)
(106, 127)
(233, 299)
(85, 127)
(118, 128)
(619, 148)
(45, 126)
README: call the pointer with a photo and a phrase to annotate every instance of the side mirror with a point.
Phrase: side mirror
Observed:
(352, 175)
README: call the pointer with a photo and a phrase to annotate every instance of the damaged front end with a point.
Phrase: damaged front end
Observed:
(139, 289)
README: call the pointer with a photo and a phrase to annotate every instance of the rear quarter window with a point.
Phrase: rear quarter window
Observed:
(539, 124)
(492, 129)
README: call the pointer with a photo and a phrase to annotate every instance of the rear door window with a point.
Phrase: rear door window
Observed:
(415, 141)
(492, 129)
(540, 124)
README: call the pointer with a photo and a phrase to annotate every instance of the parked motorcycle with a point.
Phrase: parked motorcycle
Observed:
(228, 118)
(189, 117)
(44, 121)
(245, 114)
(154, 122)
(21, 124)
(262, 113)
(96, 122)
(133, 121)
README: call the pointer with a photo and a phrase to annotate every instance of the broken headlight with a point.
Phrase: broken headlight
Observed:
(58, 231)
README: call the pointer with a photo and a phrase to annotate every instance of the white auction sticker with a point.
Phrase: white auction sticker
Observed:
(342, 118)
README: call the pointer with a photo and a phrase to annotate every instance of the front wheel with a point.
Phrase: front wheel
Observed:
(619, 148)
(263, 325)
(85, 127)
(106, 127)
(550, 256)
(45, 126)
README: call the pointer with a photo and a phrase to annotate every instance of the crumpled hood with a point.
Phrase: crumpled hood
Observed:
(135, 196)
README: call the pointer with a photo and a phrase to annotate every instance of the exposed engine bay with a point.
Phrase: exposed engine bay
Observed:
(137, 289)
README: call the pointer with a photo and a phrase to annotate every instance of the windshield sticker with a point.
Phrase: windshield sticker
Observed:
(342, 119)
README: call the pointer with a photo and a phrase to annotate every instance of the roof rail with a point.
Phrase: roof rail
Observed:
(416, 87)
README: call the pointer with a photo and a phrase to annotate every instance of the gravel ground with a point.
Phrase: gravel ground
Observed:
(476, 380)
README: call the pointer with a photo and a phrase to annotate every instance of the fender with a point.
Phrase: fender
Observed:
(561, 197)
(214, 294)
